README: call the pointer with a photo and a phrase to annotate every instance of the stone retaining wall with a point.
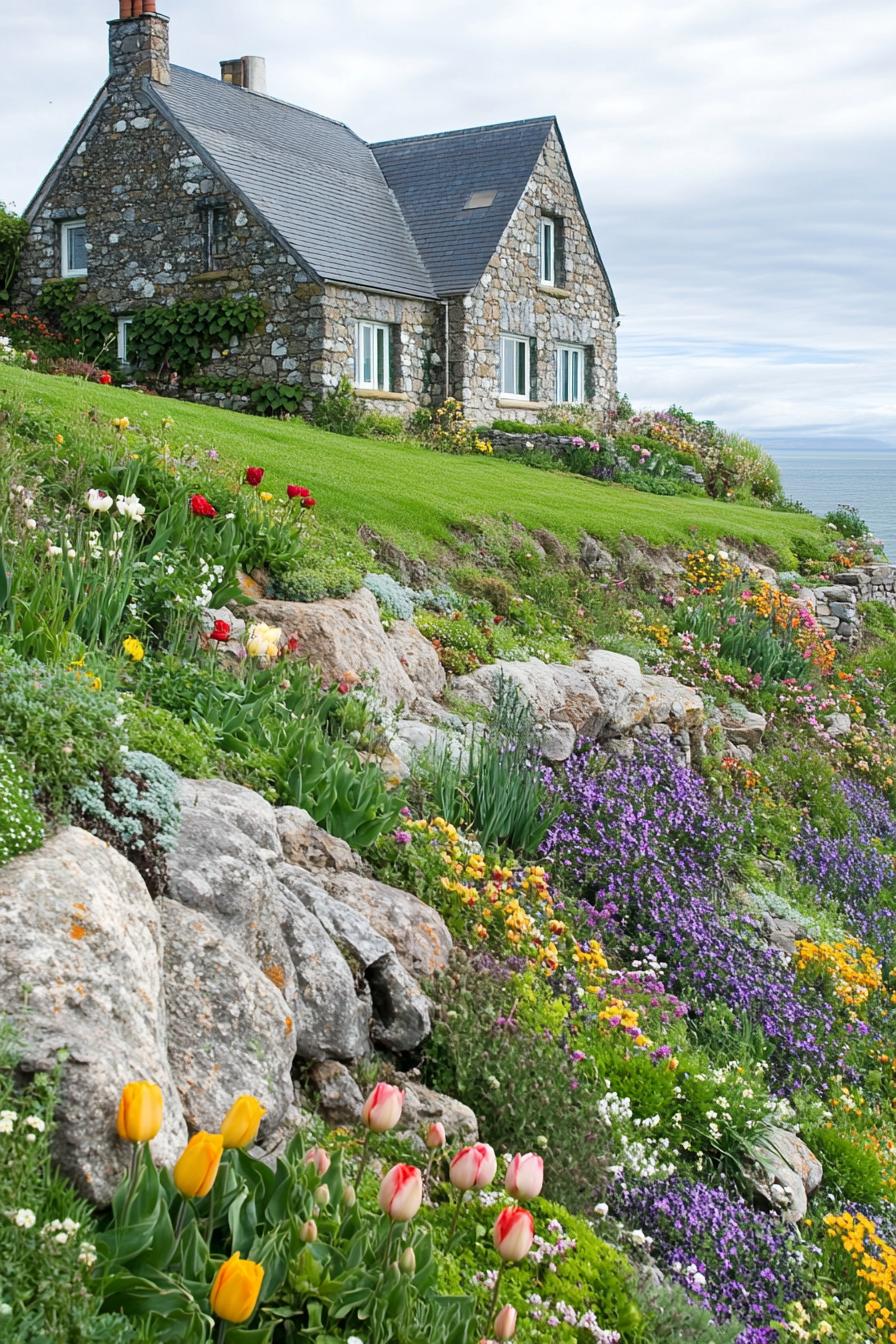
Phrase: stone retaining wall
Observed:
(837, 605)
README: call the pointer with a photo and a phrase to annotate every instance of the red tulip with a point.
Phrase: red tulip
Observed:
(473, 1168)
(513, 1233)
(505, 1323)
(220, 631)
(382, 1109)
(525, 1176)
(297, 492)
(308, 501)
(401, 1193)
(105, 379)
(254, 475)
(202, 508)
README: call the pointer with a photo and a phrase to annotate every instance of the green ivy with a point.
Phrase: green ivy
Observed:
(13, 232)
(270, 398)
(182, 335)
(89, 328)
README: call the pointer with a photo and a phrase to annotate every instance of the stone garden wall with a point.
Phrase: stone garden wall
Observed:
(837, 605)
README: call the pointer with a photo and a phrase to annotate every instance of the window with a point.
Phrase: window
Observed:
(124, 326)
(373, 356)
(515, 367)
(480, 200)
(546, 251)
(73, 246)
(216, 229)
(570, 374)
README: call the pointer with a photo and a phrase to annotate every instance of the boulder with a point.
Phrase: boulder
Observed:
(423, 1106)
(670, 701)
(339, 1098)
(419, 659)
(230, 1029)
(339, 635)
(742, 726)
(594, 557)
(307, 844)
(413, 737)
(416, 931)
(396, 1010)
(619, 683)
(785, 1173)
(80, 970)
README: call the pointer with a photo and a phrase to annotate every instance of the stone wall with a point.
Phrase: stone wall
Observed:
(837, 605)
(411, 321)
(509, 299)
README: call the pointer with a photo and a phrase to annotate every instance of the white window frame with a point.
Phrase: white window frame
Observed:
(564, 353)
(547, 254)
(122, 341)
(66, 229)
(379, 375)
(507, 339)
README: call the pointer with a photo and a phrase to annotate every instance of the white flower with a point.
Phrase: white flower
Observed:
(601, 1210)
(129, 506)
(54, 550)
(638, 1237)
(31, 524)
(87, 1254)
(24, 1218)
(98, 501)
(7, 1120)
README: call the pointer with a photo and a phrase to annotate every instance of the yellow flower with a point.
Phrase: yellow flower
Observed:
(234, 1292)
(241, 1122)
(265, 496)
(139, 1116)
(60, 439)
(263, 641)
(121, 423)
(196, 1168)
(133, 648)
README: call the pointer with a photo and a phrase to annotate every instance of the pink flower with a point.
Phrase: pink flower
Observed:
(525, 1176)
(513, 1233)
(473, 1168)
(382, 1109)
(505, 1323)
(401, 1193)
(435, 1135)
(318, 1158)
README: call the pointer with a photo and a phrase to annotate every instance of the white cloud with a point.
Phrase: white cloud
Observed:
(736, 159)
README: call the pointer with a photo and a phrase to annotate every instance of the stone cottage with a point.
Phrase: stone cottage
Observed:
(458, 264)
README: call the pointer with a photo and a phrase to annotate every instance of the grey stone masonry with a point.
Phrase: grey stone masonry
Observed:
(837, 605)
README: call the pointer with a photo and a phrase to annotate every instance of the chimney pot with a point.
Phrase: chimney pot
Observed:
(245, 72)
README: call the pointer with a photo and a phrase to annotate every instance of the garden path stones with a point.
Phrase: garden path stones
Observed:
(80, 970)
(230, 1029)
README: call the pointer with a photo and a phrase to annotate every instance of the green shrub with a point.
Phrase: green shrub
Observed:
(136, 811)
(333, 566)
(379, 425)
(187, 748)
(392, 597)
(878, 620)
(47, 1234)
(845, 518)
(340, 411)
(461, 643)
(561, 429)
(851, 1169)
(65, 725)
(21, 825)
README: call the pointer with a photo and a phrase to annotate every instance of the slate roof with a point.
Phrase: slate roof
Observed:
(434, 175)
(313, 180)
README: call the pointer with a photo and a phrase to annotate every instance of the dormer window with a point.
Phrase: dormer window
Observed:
(547, 251)
(216, 234)
(73, 247)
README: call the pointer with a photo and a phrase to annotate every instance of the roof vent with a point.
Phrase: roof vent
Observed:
(478, 200)
(246, 72)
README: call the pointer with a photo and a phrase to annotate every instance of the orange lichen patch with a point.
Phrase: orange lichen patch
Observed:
(77, 931)
(275, 973)
(79, 908)
(287, 1025)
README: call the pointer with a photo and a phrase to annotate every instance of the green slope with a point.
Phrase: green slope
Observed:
(412, 494)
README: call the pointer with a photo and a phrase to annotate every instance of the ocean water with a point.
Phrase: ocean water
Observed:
(823, 473)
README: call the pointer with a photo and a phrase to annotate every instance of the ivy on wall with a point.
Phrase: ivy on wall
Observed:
(13, 232)
(182, 335)
(89, 328)
(267, 398)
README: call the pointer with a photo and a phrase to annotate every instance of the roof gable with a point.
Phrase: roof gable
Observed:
(312, 179)
(434, 178)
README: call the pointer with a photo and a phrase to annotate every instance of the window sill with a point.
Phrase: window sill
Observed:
(204, 277)
(521, 404)
(554, 291)
(375, 394)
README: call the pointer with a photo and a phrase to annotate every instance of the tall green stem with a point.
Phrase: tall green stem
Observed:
(365, 1158)
(460, 1200)
(493, 1309)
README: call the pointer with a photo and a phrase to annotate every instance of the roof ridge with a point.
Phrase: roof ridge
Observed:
(465, 130)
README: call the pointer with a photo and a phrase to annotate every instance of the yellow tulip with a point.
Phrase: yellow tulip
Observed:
(139, 1112)
(196, 1168)
(235, 1289)
(241, 1122)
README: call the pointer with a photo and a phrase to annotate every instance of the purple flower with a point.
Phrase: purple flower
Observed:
(402, 837)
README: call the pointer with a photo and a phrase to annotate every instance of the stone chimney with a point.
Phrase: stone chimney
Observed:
(246, 72)
(138, 43)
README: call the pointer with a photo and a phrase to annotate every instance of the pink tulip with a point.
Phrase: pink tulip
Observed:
(505, 1323)
(435, 1135)
(382, 1109)
(401, 1193)
(319, 1159)
(513, 1233)
(473, 1168)
(525, 1176)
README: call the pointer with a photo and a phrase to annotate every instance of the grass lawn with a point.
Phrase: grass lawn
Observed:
(409, 493)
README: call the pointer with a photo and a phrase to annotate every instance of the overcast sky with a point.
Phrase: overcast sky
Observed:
(737, 159)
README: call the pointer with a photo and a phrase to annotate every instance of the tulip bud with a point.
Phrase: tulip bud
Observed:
(407, 1261)
(435, 1135)
(309, 1230)
(319, 1159)
(349, 1198)
(525, 1176)
(473, 1168)
(513, 1233)
(322, 1196)
(505, 1323)
(196, 1168)
(234, 1292)
(241, 1122)
(382, 1109)
(139, 1116)
(401, 1193)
